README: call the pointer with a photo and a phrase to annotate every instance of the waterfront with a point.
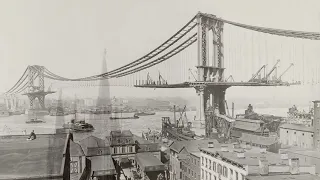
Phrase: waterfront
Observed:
(103, 125)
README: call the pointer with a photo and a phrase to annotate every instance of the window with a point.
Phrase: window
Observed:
(189, 171)
(219, 169)
(242, 177)
(127, 141)
(115, 150)
(295, 132)
(202, 173)
(209, 176)
(130, 149)
(181, 165)
(206, 175)
(287, 131)
(231, 172)
(119, 141)
(225, 171)
(237, 178)
(202, 161)
(302, 134)
(210, 164)
(123, 149)
(99, 152)
(206, 162)
(214, 167)
(311, 135)
(73, 167)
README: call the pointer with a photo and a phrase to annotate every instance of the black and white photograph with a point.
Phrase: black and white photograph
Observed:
(159, 90)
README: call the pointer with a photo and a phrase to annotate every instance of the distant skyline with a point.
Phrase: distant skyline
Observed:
(69, 37)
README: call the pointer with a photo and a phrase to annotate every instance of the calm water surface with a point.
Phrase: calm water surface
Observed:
(103, 125)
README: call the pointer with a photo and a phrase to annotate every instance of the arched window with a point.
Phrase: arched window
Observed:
(225, 171)
(219, 169)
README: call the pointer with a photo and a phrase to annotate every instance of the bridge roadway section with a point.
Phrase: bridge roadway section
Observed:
(206, 83)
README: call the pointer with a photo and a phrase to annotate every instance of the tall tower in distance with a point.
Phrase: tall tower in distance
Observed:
(104, 89)
(316, 125)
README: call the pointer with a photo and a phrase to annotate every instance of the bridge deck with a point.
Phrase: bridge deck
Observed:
(199, 83)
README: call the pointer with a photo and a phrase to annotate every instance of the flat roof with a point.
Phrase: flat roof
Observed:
(43, 156)
(284, 177)
(149, 162)
(102, 165)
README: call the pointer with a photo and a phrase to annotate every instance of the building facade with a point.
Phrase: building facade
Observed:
(237, 162)
(296, 135)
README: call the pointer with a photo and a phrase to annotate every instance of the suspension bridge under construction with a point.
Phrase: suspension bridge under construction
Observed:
(209, 54)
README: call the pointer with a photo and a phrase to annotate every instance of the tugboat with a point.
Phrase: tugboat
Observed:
(78, 126)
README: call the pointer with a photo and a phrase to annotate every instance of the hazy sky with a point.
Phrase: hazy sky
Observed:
(68, 37)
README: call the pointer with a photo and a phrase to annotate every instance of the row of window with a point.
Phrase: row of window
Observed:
(218, 168)
(121, 150)
(190, 172)
(302, 133)
(208, 176)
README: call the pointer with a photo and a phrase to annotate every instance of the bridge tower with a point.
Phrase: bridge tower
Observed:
(36, 92)
(210, 94)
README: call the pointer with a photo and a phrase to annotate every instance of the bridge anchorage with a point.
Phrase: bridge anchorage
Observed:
(36, 92)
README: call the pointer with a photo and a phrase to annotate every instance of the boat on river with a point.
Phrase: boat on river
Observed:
(134, 117)
(145, 113)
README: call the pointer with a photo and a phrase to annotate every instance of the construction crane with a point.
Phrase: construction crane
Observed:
(265, 79)
(162, 80)
(253, 79)
(279, 78)
(149, 80)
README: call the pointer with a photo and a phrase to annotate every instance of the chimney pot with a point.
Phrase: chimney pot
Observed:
(263, 150)
(284, 156)
(294, 165)
(210, 145)
(263, 167)
(224, 148)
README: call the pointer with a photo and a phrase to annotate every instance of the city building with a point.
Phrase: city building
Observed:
(307, 156)
(270, 143)
(238, 162)
(248, 126)
(184, 157)
(77, 160)
(148, 166)
(296, 135)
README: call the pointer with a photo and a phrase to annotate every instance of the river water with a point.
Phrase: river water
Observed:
(16, 125)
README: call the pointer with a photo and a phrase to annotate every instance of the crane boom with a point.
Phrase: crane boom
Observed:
(279, 78)
(273, 68)
(257, 73)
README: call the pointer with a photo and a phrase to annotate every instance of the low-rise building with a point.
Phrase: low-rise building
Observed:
(269, 143)
(296, 135)
(238, 162)
(248, 126)
(185, 159)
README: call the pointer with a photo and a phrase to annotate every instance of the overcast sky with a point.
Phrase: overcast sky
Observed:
(68, 37)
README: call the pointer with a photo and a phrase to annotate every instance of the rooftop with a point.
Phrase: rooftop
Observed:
(298, 127)
(191, 146)
(43, 156)
(75, 149)
(149, 162)
(124, 133)
(284, 177)
(251, 156)
(255, 127)
(302, 151)
(257, 139)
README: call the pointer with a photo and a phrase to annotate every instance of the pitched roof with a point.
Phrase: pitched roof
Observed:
(75, 149)
(191, 146)
(248, 126)
(102, 163)
(298, 127)
(257, 139)
(149, 162)
(91, 142)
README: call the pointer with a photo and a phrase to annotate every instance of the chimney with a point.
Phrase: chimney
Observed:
(210, 145)
(316, 124)
(263, 150)
(284, 156)
(263, 167)
(224, 148)
(240, 153)
(248, 146)
(294, 165)
(236, 146)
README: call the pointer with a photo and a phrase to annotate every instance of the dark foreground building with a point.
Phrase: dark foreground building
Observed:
(46, 157)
